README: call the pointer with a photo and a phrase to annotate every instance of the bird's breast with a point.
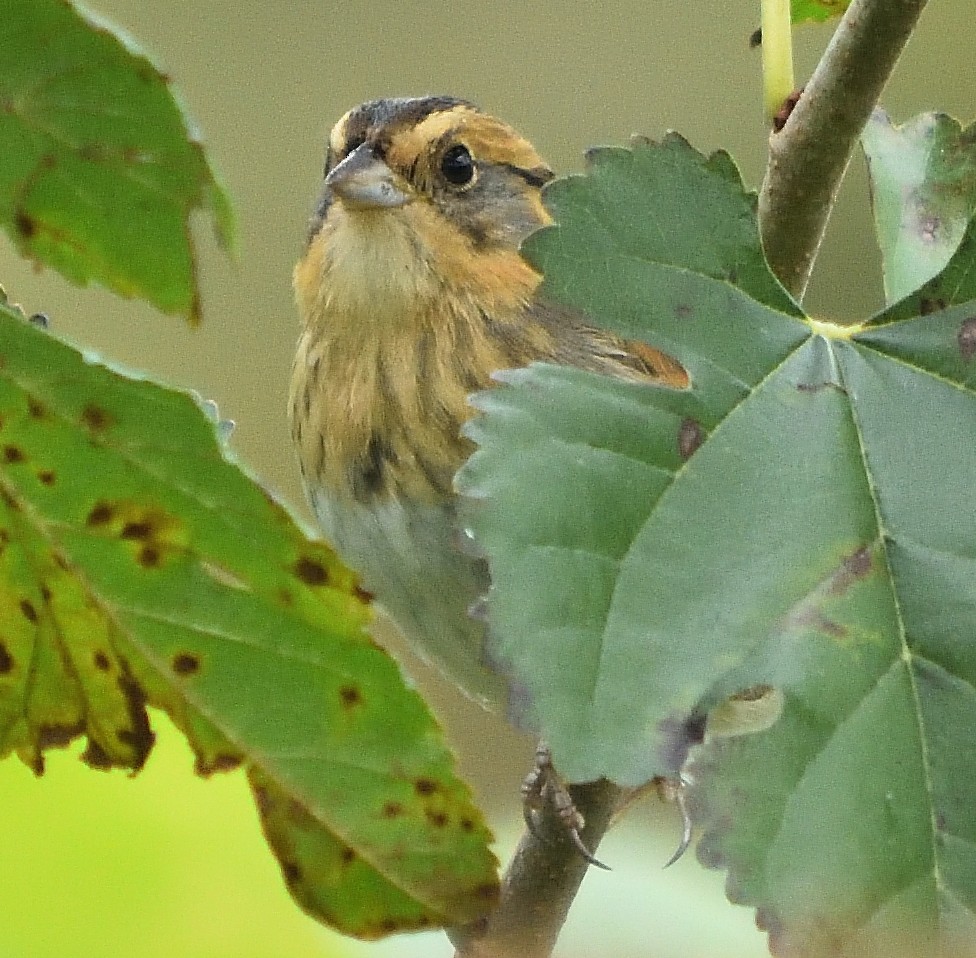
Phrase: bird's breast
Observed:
(392, 346)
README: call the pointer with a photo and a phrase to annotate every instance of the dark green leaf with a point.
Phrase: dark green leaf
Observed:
(139, 567)
(799, 518)
(100, 170)
(923, 190)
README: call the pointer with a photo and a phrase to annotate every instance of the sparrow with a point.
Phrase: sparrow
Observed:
(412, 293)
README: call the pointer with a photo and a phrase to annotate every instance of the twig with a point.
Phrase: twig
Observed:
(807, 160)
(541, 883)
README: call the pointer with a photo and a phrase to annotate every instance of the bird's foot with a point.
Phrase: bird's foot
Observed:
(543, 786)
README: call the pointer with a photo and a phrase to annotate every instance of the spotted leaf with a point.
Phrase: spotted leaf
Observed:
(101, 169)
(796, 522)
(140, 567)
(923, 192)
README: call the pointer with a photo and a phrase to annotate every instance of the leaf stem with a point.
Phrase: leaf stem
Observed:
(540, 884)
(777, 55)
(808, 158)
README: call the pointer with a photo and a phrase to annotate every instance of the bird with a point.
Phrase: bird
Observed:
(412, 294)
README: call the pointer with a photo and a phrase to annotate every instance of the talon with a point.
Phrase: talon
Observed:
(584, 852)
(542, 785)
(673, 790)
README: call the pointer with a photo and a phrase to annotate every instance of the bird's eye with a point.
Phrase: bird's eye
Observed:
(457, 166)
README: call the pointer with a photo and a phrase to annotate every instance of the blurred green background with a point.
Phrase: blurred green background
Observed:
(167, 864)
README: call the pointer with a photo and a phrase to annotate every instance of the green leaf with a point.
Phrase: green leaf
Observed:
(100, 169)
(799, 518)
(139, 567)
(923, 189)
(817, 10)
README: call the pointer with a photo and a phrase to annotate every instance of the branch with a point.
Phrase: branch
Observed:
(808, 158)
(540, 884)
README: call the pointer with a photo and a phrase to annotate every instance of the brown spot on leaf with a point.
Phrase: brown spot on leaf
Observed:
(139, 736)
(102, 662)
(28, 610)
(690, 437)
(684, 311)
(859, 563)
(262, 799)
(9, 501)
(224, 762)
(149, 557)
(350, 695)
(347, 855)
(467, 825)
(834, 629)
(46, 594)
(24, 224)
(931, 304)
(36, 409)
(95, 418)
(966, 339)
(436, 818)
(101, 514)
(292, 872)
(362, 594)
(425, 786)
(57, 736)
(392, 810)
(311, 571)
(95, 756)
(46, 477)
(136, 530)
(185, 663)
(6, 660)
(13, 455)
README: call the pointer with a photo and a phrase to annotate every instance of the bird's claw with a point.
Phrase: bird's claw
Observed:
(541, 786)
(673, 790)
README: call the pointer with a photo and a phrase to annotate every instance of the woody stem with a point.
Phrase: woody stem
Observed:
(808, 158)
(541, 882)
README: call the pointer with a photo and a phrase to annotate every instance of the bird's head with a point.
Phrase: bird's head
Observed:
(421, 196)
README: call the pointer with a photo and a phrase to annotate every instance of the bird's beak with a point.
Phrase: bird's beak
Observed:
(363, 181)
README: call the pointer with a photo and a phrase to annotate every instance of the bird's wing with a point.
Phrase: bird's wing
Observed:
(575, 341)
